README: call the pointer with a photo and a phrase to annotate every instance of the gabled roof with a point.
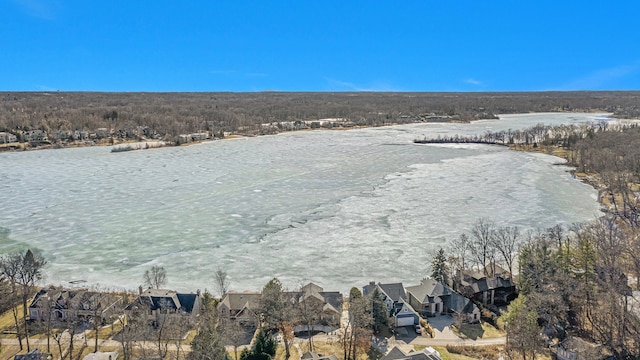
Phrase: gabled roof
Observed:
(81, 299)
(401, 306)
(394, 291)
(459, 304)
(428, 353)
(311, 288)
(428, 288)
(333, 298)
(156, 299)
(240, 300)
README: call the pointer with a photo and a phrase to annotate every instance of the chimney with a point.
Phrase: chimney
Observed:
(140, 290)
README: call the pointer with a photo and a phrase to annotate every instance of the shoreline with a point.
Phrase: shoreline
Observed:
(26, 146)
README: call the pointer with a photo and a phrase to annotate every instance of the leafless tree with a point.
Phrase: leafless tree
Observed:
(156, 277)
(506, 240)
(10, 268)
(356, 335)
(482, 245)
(234, 334)
(222, 282)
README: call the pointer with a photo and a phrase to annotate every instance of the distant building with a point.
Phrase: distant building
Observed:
(6, 137)
(35, 136)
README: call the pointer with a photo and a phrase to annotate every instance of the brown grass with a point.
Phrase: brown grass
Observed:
(474, 352)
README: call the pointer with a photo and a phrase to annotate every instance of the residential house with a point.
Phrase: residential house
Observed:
(432, 298)
(427, 353)
(60, 304)
(327, 304)
(497, 290)
(161, 305)
(395, 298)
(240, 306)
(6, 137)
(575, 348)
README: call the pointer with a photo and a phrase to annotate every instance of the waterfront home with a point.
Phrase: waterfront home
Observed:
(161, 305)
(326, 307)
(395, 298)
(241, 307)
(432, 298)
(497, 290)
(60, 304)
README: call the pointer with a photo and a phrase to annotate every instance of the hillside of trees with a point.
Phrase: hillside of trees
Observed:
(167, 115)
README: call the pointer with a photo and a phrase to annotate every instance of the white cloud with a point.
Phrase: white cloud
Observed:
(473, 81)
(601, 78)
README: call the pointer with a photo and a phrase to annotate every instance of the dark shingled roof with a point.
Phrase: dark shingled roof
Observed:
(397, 354)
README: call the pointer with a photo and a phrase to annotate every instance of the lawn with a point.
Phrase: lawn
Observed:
(477, 331)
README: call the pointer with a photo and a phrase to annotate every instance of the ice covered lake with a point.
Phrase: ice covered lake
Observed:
(339, 208)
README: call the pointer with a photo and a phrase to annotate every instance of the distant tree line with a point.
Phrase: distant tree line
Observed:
(124, 115)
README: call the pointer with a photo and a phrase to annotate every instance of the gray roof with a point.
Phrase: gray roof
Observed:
(428, 288)
(238, 300)
(156, 299)
(397, 354)
(394, 291)
(458, 303)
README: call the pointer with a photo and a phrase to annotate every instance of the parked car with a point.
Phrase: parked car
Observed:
(418, 329)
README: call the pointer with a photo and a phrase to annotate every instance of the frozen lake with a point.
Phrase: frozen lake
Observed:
(339, 208)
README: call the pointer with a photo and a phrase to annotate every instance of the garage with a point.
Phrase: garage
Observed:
(404, 321)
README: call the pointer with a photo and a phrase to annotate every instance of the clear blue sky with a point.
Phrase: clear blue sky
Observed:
(412, 45)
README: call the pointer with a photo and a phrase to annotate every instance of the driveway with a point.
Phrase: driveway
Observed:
(441, 325)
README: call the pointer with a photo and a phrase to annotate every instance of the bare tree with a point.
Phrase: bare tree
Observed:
(222, 282)
(10, 267)
(356, 335)
(30, 273)
(481, 246)
(234, 334)
(156, 277)
(276, 311)
(506, 240)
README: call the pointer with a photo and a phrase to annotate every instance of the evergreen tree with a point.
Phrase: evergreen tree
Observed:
(379, 310)
(439, 267)
(207, 345)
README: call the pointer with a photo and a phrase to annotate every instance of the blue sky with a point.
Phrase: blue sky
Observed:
(445, 45)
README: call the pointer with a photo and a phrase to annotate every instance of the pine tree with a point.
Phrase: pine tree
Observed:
(379, 310)
(439, 267)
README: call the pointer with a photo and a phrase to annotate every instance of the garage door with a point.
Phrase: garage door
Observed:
(404, 321)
